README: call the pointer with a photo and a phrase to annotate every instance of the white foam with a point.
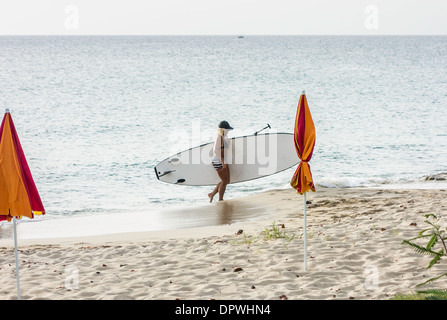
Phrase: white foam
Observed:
(374, 182)
(343, 182)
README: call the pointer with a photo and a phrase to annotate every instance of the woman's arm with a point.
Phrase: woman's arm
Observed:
(216, 149)
(222, 153)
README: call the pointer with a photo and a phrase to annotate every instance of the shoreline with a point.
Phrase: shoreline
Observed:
(354, 252)
(178, 222)
(158, 224)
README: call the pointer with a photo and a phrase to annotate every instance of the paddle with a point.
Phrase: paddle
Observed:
(268, 126)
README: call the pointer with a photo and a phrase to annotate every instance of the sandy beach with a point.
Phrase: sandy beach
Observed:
(354, 252)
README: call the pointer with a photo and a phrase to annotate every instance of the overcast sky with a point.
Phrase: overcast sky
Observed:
(227, 17)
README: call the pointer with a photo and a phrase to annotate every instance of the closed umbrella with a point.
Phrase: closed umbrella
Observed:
(304, 135)
(18, 193)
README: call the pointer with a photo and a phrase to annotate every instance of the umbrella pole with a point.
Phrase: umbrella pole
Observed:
(305, 233)
(17, 258)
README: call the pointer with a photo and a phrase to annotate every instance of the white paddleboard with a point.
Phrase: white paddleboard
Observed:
(249, 157)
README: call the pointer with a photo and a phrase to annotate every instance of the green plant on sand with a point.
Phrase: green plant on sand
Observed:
(436, 248)
(434, 294)
(276, 232)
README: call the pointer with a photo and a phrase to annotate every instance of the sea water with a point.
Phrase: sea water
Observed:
(95, 114)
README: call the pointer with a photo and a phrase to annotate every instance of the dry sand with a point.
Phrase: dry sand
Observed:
(354, 252)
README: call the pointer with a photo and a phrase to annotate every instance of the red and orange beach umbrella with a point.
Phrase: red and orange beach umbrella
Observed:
(304, 135)
(18, 193)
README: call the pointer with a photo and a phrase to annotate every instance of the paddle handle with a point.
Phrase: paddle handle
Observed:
(268, 126)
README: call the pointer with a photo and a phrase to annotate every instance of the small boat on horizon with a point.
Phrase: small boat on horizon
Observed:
(240, 37)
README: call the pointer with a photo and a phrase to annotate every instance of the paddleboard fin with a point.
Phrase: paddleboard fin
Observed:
(164, 173)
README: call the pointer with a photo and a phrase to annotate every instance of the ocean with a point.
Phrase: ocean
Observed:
(95, 114)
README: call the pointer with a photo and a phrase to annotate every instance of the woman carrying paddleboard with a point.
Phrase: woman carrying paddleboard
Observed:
(219, 162)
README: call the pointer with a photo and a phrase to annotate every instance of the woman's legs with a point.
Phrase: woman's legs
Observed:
(224, 175)
(213, 193)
